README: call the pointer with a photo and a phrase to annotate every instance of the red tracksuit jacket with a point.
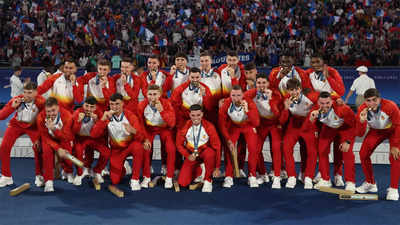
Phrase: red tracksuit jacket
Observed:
(7, 110)
(63, 134)
(213, 141)
(57, 83)
(167, 115)
(101, 127)
(226, 123)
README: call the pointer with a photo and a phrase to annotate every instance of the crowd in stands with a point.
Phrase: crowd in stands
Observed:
(347, 32)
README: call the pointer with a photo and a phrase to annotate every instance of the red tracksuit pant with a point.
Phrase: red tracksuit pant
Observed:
(48, 159)
(308, 154)
(190, 170)
(85, 146)
(371, 141)
(275, 139)
(166, 139)
(117, 159)
(9, 138)
(251, 138)
(326, 137)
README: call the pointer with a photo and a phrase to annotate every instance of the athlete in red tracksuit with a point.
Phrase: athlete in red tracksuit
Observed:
(26, 108)
(240, 116)
(125, 136)
(268, 104)
(383, 119)
(155, 76)
(298, 104)
(211, 77)
(55, 128)
(321, 77)
(128, 84)
(232, 73)
(158, 117)
(63, 86)
(189, 93)
(337, 121)
(179, 71)
(99, 84)
(198, 142)
(84, 119)
(279, 76)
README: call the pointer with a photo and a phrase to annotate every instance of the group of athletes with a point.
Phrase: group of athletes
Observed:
(200, 114)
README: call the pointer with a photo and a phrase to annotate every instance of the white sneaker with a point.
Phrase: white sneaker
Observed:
(338, 181)
(317, 178)
(85, 172)
(301, 177)
(105, 172)
(367, 187)
(128, 168)
(4, 181)
(276, 183)
(99, 178)
(168, 183)
(392, 194)
(271, 174)
(198, 179)
(163, 170)
(228, 182)
(207, 186)
(253, 182)
(48, 186)
(135, 186)
(78, 180)
(350, 186)
(308, 184)
(63, 175)
(70, 178)
(145, 182)
(39, 181)
(291, 182)
(203, 170)
(323, 183)
(284, 174)
(242, 173)
(262, 179)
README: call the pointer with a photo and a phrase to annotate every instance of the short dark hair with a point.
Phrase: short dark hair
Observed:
(30, 86)
(372, 92)
(293, 83)
(317, 55)
(195, 70)
(205, 53)
(115, 97)
(324, 94)
(237, 87)
(232, 53)
(181, 55)
(250, 66)
(50, 102)
(127, 59)
(104, 62)
(17, 68)
(70, 60)
(154, 57)
(91, 100)
(196, 107)
(153, 87)
(262, 76)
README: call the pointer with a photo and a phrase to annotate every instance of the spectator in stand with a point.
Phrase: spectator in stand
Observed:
(33, 29)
